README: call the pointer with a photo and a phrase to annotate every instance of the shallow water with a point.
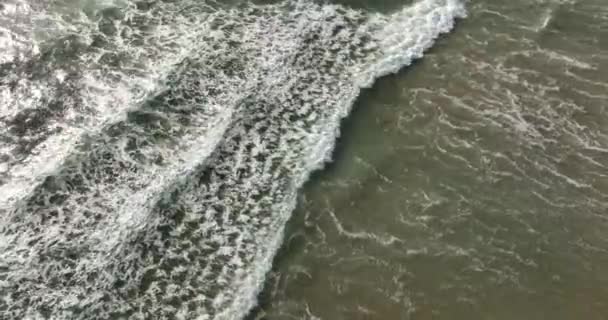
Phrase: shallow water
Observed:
(471, 185)
(151, 154)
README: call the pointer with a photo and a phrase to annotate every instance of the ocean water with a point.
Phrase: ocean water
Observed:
(152, 153)
(470, 185)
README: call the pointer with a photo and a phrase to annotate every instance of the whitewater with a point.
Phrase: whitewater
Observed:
(151, 152)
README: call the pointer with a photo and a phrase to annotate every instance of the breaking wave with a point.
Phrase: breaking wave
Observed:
(150, 152)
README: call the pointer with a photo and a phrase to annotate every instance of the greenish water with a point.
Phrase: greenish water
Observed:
(471, 185)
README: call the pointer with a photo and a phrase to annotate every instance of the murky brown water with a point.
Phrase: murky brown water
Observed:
(472, 185)
(151, 152)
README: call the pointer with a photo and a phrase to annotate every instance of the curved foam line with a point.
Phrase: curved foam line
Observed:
(435, 19)
(250, 112)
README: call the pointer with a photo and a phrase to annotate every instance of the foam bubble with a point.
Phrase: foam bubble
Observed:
(191, 128)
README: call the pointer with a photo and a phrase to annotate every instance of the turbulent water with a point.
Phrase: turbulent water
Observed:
(150, 152)
(471, 185)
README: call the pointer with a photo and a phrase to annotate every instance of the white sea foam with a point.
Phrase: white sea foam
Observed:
(105, 93)
(166, 190)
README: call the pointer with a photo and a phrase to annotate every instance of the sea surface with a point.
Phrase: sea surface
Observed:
(300, 159)
(470, 185)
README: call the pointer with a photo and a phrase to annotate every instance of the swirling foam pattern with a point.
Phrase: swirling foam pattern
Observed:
(150, 152)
